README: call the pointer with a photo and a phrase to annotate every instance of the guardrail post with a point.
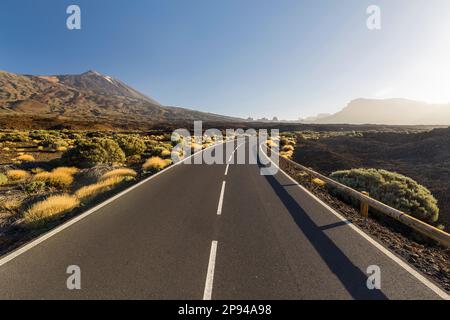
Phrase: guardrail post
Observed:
(364, 207)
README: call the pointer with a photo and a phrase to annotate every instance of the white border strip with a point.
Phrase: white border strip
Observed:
(14, 254)
(441, 293)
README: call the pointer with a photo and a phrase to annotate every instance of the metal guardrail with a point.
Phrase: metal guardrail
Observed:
(434, 233)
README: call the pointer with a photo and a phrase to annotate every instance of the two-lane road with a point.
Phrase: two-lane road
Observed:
(211, 231)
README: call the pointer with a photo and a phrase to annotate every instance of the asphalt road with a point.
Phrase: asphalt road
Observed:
(186, 234)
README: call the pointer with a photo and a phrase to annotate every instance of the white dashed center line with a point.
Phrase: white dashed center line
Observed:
(222, 192)
(210, 275)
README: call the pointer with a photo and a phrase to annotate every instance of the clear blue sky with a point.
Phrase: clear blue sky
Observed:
(286, 58)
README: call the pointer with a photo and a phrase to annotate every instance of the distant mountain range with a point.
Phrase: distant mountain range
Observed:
(389, 112)
(91, 96)
(88, 95)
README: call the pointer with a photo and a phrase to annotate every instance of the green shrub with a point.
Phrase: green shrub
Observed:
(167, 137)
(35, 186)
(131, 145)
(54, 143)
(166, 145)
(85, 154)
(58, 143)
(3, 179)
(74, 136)
(96, 134)
(38, 135)
(115, 153)
(391, 188)
(156, 150)
(151, 143)
(90, 153)
(14, 137)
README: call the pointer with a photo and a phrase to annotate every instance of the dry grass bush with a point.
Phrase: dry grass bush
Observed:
(66, 170)
(17, 175)
(123, 172)
(49, 209)
(165, 153)
(285, 141)
(318, 182)
(25, 157)
(11, 204)
(287, 148)
(60, 177)
(270, 143)
(196, 147)
(156, 164)
(287, 154)
(95, 189)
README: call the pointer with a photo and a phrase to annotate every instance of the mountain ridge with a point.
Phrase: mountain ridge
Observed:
(394, 111)
(88, 95)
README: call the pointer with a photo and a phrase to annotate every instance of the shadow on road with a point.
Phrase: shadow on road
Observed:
(335, 225)
(352, 278)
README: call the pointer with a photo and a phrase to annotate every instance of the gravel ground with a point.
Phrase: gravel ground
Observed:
(425, 256)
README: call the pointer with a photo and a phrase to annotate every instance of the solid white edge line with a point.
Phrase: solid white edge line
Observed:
(14, 254)
(222, 192)
(441, 293)
(207, 294)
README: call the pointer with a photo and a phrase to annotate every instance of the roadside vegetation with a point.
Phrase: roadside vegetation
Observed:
(47, 176)
(391, 188)
(285, 143)
(404, 170)
(51, 208)
(417, 154)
